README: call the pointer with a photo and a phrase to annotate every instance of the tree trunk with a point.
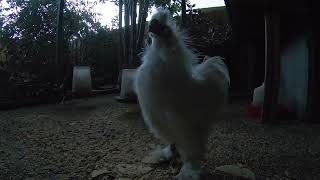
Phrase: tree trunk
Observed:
(144, 5)
(183, 13)
(59, 43)
(126, 34)
(121, 41)
(141, 4)
(133, 41)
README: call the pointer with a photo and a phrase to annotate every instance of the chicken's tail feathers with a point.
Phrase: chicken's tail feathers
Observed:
(213, 66)
(224, 67)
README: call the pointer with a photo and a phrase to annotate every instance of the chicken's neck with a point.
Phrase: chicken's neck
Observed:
(176, 58)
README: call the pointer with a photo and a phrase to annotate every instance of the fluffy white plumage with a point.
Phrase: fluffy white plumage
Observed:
(179, 101)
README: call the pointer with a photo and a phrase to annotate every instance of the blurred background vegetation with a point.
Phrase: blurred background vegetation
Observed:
(28, 40)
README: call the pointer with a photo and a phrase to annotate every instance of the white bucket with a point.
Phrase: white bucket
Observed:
(127, 79)
(81, 82)
(258, 96)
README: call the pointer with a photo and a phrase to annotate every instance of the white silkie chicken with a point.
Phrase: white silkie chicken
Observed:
(179, 102)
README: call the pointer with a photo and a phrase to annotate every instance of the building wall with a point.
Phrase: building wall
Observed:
(294, 76)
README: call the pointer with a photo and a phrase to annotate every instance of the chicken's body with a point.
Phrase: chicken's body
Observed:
(179, 102)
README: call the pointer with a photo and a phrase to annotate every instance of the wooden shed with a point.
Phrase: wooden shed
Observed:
(283, 37)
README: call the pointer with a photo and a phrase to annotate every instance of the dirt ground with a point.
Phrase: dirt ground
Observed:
(100, 138)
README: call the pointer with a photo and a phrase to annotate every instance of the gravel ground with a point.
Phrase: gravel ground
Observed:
(100, 138)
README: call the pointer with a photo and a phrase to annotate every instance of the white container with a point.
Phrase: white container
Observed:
(258, 96)
(127, 79)
(81, 82)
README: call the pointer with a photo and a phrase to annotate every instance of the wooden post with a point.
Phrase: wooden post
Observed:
(272, 73)
(59, 43)
(252, 56)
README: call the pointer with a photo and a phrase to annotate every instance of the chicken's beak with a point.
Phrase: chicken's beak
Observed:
(157, 28)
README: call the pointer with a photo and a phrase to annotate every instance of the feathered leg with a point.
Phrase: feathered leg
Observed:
(192, 151)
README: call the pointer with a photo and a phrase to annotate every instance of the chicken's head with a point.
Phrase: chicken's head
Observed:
(161, 24)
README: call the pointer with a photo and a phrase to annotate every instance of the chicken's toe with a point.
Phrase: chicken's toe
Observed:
(160, 155)
(187, 172)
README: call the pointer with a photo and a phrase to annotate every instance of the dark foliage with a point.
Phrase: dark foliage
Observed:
(207, 36)
(28, 40)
